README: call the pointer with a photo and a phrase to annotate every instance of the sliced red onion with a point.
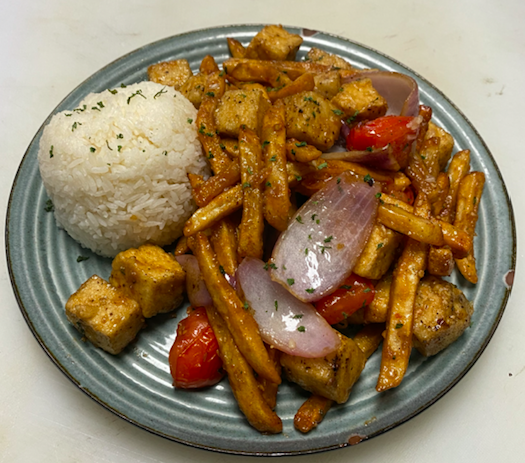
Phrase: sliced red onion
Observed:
(195, 287)
(399, 90)
(380, 158)
(325, 237)
(285, 322)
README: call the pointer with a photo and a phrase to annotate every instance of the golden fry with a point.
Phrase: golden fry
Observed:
(241, 378)
(369, 338)
(207, 129)
(443, 185)
(236, 48)
(182, 246)
(258, 71)
(240, 321)
(224, 241)
(252, 222)
(219, 207)
(311, 413)
(458, 168)
(303, 83)
(301, 151)
(469, 195)
(398, 342)
(208, 65)
(230, 146)
(276, 195)
(269, 388)
(216, 184)
(418, 228)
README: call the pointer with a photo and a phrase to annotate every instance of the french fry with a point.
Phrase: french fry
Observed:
(458, 168)
(443, 185)
(459, 241)
(224, 241)
(216, 184)
(236, 48)
(429, 153)
(210, 140)
(258, 71)
(469, 195)
(276, 196)
(208, 65)
(311, 413)
(230, 146)
(240, 321)
(293, 69)
(241, 378)
(398, 342)
(252, 222)
(301, 151)
(182, 246)
(418, 228)
(269, 388)
(195, 180)
(219, 207)
(303, 83)
(369, 338)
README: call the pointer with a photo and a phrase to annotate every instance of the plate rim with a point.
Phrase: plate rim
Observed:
(216, 30)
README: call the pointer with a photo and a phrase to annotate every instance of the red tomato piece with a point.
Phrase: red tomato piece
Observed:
(194, 358)
(396, 131)
(354, 293)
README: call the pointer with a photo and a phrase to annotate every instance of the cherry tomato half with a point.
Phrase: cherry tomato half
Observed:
(395, 131)
(194, 358)
(354, 293)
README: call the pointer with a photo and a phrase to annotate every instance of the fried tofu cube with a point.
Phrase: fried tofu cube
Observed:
(310, 117)
(151, 276)
(239, 108)
(360, 100)
(379, 252)
(173, 73)
(332, 376)
(446, 143)
(274, 43)
(105, 315)
(193, 89)
(441, 315)
(328, 59)
(328, 83)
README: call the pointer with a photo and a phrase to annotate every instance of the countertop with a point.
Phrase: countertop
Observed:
(473, 51)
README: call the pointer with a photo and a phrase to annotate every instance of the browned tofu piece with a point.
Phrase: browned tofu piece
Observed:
(310, 117)
(446, 143)
(379, 252)
(441, 315)
(274, 43)
(193, 89)
(327, 59)
(360, 100)
(104, 314)
(241, 107)
(328, 83)
(332, 376)
(173, 73)
(151, 276)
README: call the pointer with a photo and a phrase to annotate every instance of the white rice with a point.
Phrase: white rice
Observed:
(116, 167)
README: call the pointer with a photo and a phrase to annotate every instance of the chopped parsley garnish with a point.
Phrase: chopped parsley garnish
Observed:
(299, 315)
(270, 265)
(268, 184)
(299, 145)
(210, 94)
(310, 290)
(249, 170)
(265, 143)
(380, 245)
(221, 269)
(290, 281)
(346, 287)
(322, 166)
(246, 305)
(337, 112)
(399, 325)
(49, 206)
(82, 258)
(327, 240)
(112, 91)
(368, 179)
(246, 185)
(309, 98)
(51, 151)
(298, 178)
(273, 158)
(299, 219)
(276, 305)
(352, 118)
(138, 92)
(301, 328)
(92, 149)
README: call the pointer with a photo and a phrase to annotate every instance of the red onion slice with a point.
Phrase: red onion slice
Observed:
(195, 287)
(325, 238)
(286, 323)
(399, 90)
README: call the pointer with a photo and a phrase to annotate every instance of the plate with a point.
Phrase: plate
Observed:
(136, 385)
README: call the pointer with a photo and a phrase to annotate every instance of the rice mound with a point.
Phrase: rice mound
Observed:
(116, 167)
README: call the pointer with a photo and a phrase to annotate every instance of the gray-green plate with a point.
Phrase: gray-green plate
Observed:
(136, 385)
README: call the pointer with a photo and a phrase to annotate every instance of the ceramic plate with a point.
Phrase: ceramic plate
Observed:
(136, 385)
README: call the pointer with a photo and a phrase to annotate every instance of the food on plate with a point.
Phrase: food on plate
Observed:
(151, 276)
(116, 167)
(194, 359)
(331, 203)
(104, 315)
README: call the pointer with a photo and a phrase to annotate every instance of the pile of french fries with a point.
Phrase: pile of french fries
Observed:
(260, 169)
